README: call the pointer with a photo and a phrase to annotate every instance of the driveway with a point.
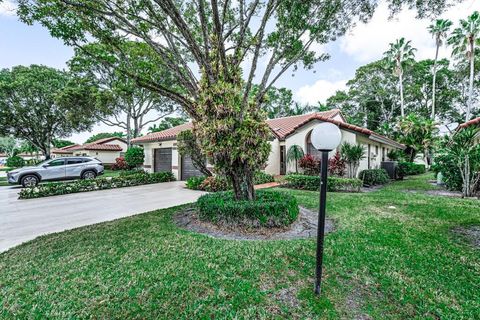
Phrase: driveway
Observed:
(23, 220)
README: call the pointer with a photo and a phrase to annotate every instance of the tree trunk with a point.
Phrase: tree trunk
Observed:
(434, 82)
(47, 149)
(129, 136)
(242, 182)
(296, 166)
(470, 90)
(400, 78)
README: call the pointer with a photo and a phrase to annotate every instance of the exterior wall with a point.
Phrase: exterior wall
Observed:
(273, 162)
(149, 150)
(375, 153)
(122, 144)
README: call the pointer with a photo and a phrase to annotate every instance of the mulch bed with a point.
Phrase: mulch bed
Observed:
(471, 234)
(304, 227)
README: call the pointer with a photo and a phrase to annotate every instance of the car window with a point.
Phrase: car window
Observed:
(74, 161)
(56, 163)
(87, 160)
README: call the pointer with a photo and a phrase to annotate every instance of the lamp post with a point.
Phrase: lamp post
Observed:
(325, 137)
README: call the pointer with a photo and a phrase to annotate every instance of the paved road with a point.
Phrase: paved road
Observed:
(23, 220)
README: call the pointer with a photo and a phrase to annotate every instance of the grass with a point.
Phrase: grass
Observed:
(3, 182)
(391, 257)
(111, 173)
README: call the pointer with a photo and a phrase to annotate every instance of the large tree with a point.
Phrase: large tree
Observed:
(132, 107)
(167, 123)
(215, 50)
(401, 53)
(33, 106)
(439, 32)
(465, 39)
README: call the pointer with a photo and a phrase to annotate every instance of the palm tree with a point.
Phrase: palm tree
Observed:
(352, 154)
(419, 134)
(464, 39)
(400, 54)
(295, 153)
(439, 32)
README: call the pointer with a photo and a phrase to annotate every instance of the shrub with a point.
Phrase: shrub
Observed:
(262, 177)
(269, 209)
(310, 165)
(410, 169)
(452, 177)
(352, 154)
(194, 183)
(125, 173)
(215, 184)
(15, 162)
(120, 164)
(337, 165)
(394, 155)
(52, 189)
(312, 183)
(373, 177)
(134, 157)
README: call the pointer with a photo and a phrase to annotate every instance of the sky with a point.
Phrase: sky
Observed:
(21, 44)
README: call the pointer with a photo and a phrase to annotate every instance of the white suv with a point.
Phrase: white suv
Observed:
(67, 168)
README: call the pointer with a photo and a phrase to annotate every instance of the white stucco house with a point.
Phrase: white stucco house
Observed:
(161, 147)
(105, 150)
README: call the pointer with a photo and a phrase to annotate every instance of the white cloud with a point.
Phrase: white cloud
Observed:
(367, 42)
(321, 90)
(7, 8)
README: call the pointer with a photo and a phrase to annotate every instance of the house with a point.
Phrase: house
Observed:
(473, 122)
(63, 152)
(161, 147)
(105, 150)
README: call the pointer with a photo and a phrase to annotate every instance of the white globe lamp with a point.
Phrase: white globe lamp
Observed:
(326, 136)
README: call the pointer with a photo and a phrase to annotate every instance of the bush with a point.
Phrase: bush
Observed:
(312, 183)
(134, 157)
(310, 165)
(262, 177)
(15, 162)
(120, 164)
(125, 173)
(53, 189)
(337, 165)
(373, 177)
(194, 183)
(269, 209)
(452, 177)
(410, 169)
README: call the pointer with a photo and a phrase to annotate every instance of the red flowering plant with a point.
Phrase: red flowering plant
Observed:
(337, 165)
(120, 164)
(310, 165)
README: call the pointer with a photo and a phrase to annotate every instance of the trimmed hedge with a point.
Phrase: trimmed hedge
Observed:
(219, 183)
(372, 177)
(194, 183)
(410, 169)
(15, 162)
(312, 183)
(53, 189)
(269, 209)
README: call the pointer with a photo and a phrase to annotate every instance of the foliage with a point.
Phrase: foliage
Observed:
(310, 165)
(219, 183)
(269, 209)
(15, 162)
(294, 154)
(444, 163)
(167, 123)
(394, 155)
(215, 40)
(60, 143)
(134, 157)
(372, 177)
(120, 164)
(278, 102)
(33, 105)
(336, 165)
(103, 135)
(194, 183)
(53, 189)
(352, 154)
(419, 134)
(312, 183)
(9, 146)
(188, 145)
(261, 177)
(410, 169)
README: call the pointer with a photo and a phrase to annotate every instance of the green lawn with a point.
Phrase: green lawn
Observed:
(385, 262)
(110, 173)
(3, 182)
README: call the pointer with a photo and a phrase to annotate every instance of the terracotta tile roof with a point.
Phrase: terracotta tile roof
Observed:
(66, 149)
(471, 123)
(100, 144)
(281, 127)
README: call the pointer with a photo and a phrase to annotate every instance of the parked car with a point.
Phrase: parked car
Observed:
(57, 169)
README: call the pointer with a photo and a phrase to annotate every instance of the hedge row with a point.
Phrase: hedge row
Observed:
(219, 183)
(269, 209)
(312, 183)
(410, 169)
(53, 189)
(372, 177)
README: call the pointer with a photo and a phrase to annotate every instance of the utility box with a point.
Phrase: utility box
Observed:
(391, 168)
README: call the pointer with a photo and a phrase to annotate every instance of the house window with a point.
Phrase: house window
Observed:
(369, 155)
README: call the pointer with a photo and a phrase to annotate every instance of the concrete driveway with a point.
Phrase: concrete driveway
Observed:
(23, 220)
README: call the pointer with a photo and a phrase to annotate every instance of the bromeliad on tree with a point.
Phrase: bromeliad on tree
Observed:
(205, 45)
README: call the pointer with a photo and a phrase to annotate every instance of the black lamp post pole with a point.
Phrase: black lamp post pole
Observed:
(321, 220)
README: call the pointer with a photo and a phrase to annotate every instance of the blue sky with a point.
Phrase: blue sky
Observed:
(21, 44)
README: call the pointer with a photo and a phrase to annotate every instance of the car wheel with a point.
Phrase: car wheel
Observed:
(29, 181)
(87, 175)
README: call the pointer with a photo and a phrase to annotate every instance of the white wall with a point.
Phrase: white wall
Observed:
(273, 163)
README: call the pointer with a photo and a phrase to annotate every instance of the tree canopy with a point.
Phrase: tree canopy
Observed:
(103, 135)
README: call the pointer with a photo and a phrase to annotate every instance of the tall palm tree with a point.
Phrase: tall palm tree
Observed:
(439, 32)
(464, 40)
(400, 54)
(294, 154)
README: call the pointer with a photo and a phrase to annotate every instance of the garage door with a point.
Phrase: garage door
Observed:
(163, 160)
(188, 169)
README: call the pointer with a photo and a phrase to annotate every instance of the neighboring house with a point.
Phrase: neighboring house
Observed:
(25, 156)
(161, 147)
(105, 150)
(63, 152)
(473, 122)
